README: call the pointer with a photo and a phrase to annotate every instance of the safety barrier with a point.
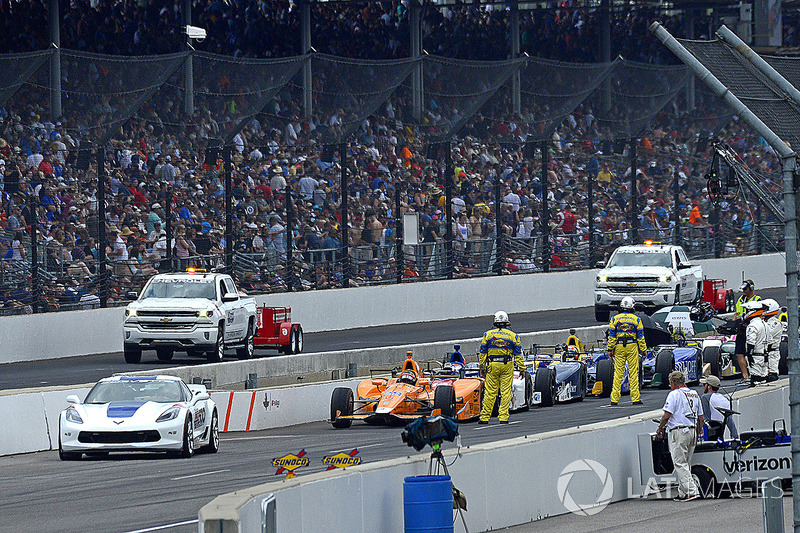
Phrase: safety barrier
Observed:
(536, 471)
(53, 335)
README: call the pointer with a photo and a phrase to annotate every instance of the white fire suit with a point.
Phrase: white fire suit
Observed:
(774, 333)
(756, 335)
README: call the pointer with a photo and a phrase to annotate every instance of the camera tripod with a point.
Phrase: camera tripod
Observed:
(459, 500)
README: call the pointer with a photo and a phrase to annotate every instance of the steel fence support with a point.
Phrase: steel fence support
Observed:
(448, 208)
(498, 234)
(717, 235)
(544, 218)
(228, 209)
(516, 80)
(33, 202)
(415, 31)
(757, 227)
(398, 233)
(188, 69)
(287, 200)
(590, 177)
(54, 21)
(634, 211)
(676, 214)
(306, 47)
(345, 227)
(169, 229)
(102, 274)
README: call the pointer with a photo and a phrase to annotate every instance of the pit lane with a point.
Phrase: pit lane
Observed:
(90, 368)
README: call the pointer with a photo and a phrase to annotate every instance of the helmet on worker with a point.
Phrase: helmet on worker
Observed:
(771, 307)
(501, 319)
(753, 309)
(627, 304)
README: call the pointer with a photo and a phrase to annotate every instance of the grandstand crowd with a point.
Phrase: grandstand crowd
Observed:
(150, 164)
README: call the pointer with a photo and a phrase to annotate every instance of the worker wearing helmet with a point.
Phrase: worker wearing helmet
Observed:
(748, 289)
(574, 340)
(500, 351)
(756, 338)
(774, 332)
(625, 343)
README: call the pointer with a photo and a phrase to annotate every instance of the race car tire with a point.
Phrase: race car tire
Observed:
(249, 348)
(213, 438)
(545, 384)
(711, 356)
(444, 399)
(164, 354)
(605, 374)
(705, 481)
(289, 348)
(528, 391)
(600, 314)
(665, 363)
(298, 339)
(783, 364)
(133, 355)
(583, 384)
(341, 404)
(218, 351)
(66, 456)
(187, 449)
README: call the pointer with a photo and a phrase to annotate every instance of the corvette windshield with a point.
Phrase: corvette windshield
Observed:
(641, 259)
(180, 288)
(136, 391)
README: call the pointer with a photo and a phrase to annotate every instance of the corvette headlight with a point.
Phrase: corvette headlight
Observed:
(602, 278)
(205, 313)
(74, 417)
(170, 414)
(131, 312)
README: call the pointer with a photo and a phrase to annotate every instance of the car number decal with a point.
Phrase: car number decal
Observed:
(200, 417)
(230, 317)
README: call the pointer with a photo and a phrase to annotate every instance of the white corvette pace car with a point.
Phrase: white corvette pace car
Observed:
(149, 413)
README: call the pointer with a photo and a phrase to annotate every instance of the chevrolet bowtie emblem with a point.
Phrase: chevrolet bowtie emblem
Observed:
(166, 319)
(118, 422)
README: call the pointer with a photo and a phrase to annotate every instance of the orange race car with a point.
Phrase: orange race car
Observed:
(407, 396)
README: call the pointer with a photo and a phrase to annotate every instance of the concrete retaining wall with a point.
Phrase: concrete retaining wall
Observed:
(535, 471)
(53, 335)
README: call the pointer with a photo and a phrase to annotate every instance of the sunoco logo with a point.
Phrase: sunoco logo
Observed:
(341, 460)
(579, 467)
(757, 464)
(289, 462)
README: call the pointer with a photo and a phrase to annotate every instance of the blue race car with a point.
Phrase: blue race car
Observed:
(557, 378)
(601, 373)
(663, 359)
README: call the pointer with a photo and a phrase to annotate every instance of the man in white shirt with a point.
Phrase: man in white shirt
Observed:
(712, 399)
(683, 419)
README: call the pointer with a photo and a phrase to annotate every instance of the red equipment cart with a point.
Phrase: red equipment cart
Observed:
(715, 293)
(276, 330)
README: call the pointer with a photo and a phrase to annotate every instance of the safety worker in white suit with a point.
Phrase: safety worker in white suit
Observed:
(774, 333)
(625, 343)
(756, 341)
(500, 352)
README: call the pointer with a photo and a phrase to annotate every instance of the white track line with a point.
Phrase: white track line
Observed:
(359, 448)
(165, 526)
(264, 437)
(495, 426)
(201, 474)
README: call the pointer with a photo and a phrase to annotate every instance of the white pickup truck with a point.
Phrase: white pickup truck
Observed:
(196, 312)
(654, 275)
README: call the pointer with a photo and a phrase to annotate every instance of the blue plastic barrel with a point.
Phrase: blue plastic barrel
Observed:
(428, 504)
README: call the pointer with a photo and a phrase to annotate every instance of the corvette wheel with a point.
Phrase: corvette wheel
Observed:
(67, 456)
(187, 450)
(213, 438)
(249, 348)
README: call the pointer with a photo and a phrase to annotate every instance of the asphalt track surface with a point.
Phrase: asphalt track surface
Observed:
(145, 492)
(90, 368)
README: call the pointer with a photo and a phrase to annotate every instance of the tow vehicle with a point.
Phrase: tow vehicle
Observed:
(195, 311)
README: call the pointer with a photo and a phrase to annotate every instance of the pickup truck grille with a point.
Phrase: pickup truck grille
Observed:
(632, 290)
(171, 313)
(160, 326)
(644, 279)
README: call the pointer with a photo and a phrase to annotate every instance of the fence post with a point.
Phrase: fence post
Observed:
(634, 212)
(717, 236)
(168, 215)
(33, 201)
(676, 214)
(498, 256)
(398, 234)
(448, 208)
(544, 219)
(345, 228)
(55, 59)
(289, 238)
(590, 177)
(102, 270)
(757, 226)
(228, 210)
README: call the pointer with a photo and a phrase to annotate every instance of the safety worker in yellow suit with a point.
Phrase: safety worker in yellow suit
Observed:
(500, 352)
(625, 343)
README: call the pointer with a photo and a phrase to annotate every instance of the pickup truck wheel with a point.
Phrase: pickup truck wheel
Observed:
(215, 355)
(298, 340)
(247, 351)
(133, 355)
(601, 315)
(164, 354)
